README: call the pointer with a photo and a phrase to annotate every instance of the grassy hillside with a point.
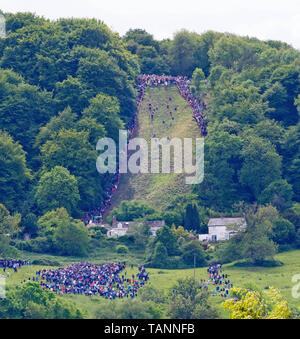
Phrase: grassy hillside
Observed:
(158, 189)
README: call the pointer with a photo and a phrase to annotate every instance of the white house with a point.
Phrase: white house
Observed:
(120, 229)
(223, 228)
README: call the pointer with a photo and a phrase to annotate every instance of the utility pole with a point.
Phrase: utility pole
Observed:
(194, 266)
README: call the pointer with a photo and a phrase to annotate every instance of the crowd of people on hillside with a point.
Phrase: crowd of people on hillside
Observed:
(183, 84)
(218, 280)
(108, 280)
(95, 216)
(13, 264)
(184, 87)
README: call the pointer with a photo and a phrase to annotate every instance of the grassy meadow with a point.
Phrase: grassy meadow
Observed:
(262, 277)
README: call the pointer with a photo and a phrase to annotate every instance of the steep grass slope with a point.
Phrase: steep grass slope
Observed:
(159, 189)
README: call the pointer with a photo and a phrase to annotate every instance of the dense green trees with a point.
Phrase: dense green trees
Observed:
(105, 110)
(278, 193)
(188, 303)
(150, 53)
(191, 218)
(160, 256)
(29, 224)
(57, 188)
(174, 248)
(261, 165)
(32, 302)
(62, 234)
(71, 238)
(14, 174)
(220, 186)
(252, 89)
(167, 238)
(79, 68)
(283, 231)
(193, 254)
(256, 304)
(9, 227)
(199, 88)
(266, 231)
(72, 150)
(182, 50)
(131, 210)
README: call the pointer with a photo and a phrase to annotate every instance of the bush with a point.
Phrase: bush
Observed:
(72, 239)
(101, 229)
(30, 301)
(285, 248)
(191, 250)
(150, 293)
(46, 262)
(24, 246)
(29, 222)
(122, 249)
(98, 235)
(37, 245)
(159, 259)
(283, 232)
(263, 263)
(132, 210)
(127, 239)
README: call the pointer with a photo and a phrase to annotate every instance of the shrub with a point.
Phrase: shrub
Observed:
(101, 229)
(98, 235)
(127, 239)
(37, 245)
(122, 249)
(132, 210)
(263, 263)
(191, 250)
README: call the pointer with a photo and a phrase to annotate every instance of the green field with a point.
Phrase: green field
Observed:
(279, 277)
(158, 189)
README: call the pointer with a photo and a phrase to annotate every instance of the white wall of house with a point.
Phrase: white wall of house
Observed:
(120, 230)
(116, 232)
(217, 229)
(218, 233)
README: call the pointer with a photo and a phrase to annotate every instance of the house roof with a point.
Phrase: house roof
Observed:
(127, 224)
(213, 222)
(124, 224)
(156, 223)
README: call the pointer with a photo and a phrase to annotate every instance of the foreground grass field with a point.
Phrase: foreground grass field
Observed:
(159, 189)
(262, 277)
